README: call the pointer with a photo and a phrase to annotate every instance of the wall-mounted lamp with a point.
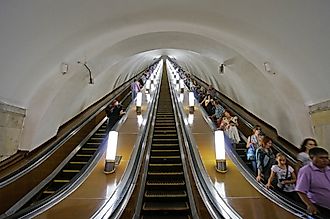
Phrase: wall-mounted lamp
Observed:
(191, 102)
(110, 157)
(222, 69)
(267, 67)
(89, 71)
(219, 140)
(138, 103)
(64, 68)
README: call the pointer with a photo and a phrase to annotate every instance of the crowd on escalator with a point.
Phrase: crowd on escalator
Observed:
(307, 183)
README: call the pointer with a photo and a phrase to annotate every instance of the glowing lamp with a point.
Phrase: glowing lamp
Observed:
(110, 157)
(181, 85)
(191, 102)
(219, 140)
(148, 86)
(138, 103)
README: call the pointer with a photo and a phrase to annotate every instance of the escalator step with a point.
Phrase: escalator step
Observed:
(167, 144)
(165, 194)
(48, 192)
(61, 181)
(165, 164)
(71, 171)
(84, 155)
(165, 151)
(164, 157)
(165, 206)
(77, 162)
(164, 173)
(165, 183)
(88, 149)
(165, 135)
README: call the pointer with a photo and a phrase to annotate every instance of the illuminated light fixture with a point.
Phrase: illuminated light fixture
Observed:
(138, 103)
(148, 86)
(181, 86)
(190, 119)
(267, 67)
(191, 102)
(177, 87)
(181, 98)
(110, 157)
(64, 68)
(219, 140)
(148, 97)
(139, 120)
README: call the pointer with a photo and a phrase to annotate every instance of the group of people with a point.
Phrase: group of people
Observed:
(308, 182)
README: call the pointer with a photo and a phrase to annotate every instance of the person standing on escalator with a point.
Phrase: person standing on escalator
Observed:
(114, 113)
(313, 183)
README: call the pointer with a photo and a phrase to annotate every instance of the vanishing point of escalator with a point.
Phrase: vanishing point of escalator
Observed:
(165, 194)
(72, 169)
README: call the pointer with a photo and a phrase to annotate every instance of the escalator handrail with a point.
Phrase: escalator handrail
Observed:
(115, 205)
(50, 201)
(35, 162)
(214, 202)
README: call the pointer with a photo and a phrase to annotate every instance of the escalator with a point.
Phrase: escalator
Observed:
(73, 168)
(165, 193)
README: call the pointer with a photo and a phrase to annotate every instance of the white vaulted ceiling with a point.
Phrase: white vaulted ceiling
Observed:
(119, 38)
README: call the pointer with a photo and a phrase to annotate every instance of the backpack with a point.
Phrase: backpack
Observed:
(251, 153)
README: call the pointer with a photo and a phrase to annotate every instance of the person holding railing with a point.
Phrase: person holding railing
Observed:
(265, 159)
(313, 183)
(286, 177)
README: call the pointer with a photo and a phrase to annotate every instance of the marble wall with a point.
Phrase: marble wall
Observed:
(320, 114)
(11, 126)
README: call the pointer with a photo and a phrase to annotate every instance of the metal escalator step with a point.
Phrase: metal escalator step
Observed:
(61, 181)
(165, 183)
(165, 131)
(165, 127)
(88, 149)
(165, 216)
(93, 143)
(165, 139)
(96, 139)
(165, 194)
(164, 144)
(48, 192)
(165, 150)
(70, 171)
(165, 206)
(77, 162)
(165, 173)
(84, 155)
(164, 157)
(165, 164)
(164, 135)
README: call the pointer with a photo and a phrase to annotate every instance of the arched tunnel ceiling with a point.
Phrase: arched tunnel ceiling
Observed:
(119, 38)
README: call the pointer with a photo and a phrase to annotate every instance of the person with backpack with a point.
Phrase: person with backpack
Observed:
(252, 144)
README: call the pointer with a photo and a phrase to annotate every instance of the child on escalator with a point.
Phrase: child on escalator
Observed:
(286, 177)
